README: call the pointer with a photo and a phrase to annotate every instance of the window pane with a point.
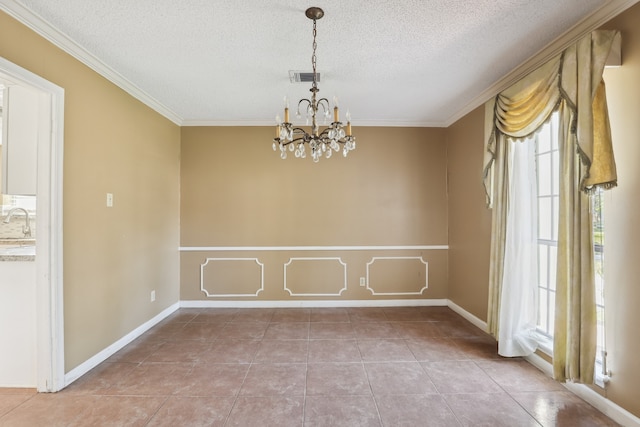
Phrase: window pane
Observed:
(553, 131)
(556, 213)
(544, 143)
(544, 174)
(542, 312)
(551, 310)
(544, 219)
(556, 172)
(553, 261)
(543, 265)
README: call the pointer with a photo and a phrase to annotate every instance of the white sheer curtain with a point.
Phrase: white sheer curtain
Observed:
(517, 321)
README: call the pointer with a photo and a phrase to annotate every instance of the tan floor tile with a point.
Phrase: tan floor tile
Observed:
(373, 330)
(274, 380)
(518, 375)
(415, 410)
(253, 315)
(366, 314)
(460, 377)
(77, 410)
(282, 351)
(181, 351)
(562, 408)
(398, 378)
(417, 330)
(340, 411)
(287, 331)
(100, 379)
(483, 409)
(231, 351)
(152, 379)
(281, 411)
(323, 330)
(213, 380)
(244, 330)
(335, 379)
(331, 315)
(435, 349)
(205, 331)
(193, 412)
(385, 351)
(477, 347)
(322, 351)
(8, 402)
(291, 315)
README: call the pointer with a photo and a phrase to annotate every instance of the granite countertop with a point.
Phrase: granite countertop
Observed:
(17, 250)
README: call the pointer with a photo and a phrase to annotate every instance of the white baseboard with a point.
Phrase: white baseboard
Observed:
(601, 403)
(100, 357)
(481, 324)
(316, 303)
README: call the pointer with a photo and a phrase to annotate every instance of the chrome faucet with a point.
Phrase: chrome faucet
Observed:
(26, 229)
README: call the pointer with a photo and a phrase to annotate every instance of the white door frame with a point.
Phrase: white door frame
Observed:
(49, 278)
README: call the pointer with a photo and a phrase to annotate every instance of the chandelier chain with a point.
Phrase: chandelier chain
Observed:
(313, 56)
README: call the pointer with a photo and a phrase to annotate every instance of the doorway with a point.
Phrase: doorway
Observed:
(48, 263)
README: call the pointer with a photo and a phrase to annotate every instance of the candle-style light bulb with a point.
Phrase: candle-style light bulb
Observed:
(348, 115)
(286, 109)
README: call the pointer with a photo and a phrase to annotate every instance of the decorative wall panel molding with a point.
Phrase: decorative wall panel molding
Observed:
(384, 273)
(232, 277)
(310, 248)
(317, 276)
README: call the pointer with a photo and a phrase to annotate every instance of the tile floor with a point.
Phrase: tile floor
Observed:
(307, 367)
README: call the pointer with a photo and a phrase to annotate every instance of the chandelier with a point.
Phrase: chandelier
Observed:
(321, 143)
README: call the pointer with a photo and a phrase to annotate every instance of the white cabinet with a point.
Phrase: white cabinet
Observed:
(18, 324)
(19, 140)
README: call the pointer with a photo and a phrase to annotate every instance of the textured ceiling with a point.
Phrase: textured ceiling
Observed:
(391, 62)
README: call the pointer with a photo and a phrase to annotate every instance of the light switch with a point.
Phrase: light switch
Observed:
(109, 200)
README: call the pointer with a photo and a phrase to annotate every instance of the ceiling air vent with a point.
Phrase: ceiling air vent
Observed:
(303, 76)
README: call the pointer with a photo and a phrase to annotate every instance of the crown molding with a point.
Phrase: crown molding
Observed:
(608, 11)
(360, 123)
(64, 42)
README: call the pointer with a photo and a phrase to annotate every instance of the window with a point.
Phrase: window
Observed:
(547, 171)
(597, 206)
(548, 188)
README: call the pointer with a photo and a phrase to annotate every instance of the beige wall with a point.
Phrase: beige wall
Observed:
(390, 191)
(469, 219)
(622, 204)
(469, 237)
(113, 257)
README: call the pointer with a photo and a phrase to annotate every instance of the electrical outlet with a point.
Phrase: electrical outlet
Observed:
(109, 200)
(362, 281)
(153, 296)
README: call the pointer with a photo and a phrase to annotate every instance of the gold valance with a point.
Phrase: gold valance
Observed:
(574, 76)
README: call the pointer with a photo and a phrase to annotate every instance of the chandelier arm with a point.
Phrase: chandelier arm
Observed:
(301, 102)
